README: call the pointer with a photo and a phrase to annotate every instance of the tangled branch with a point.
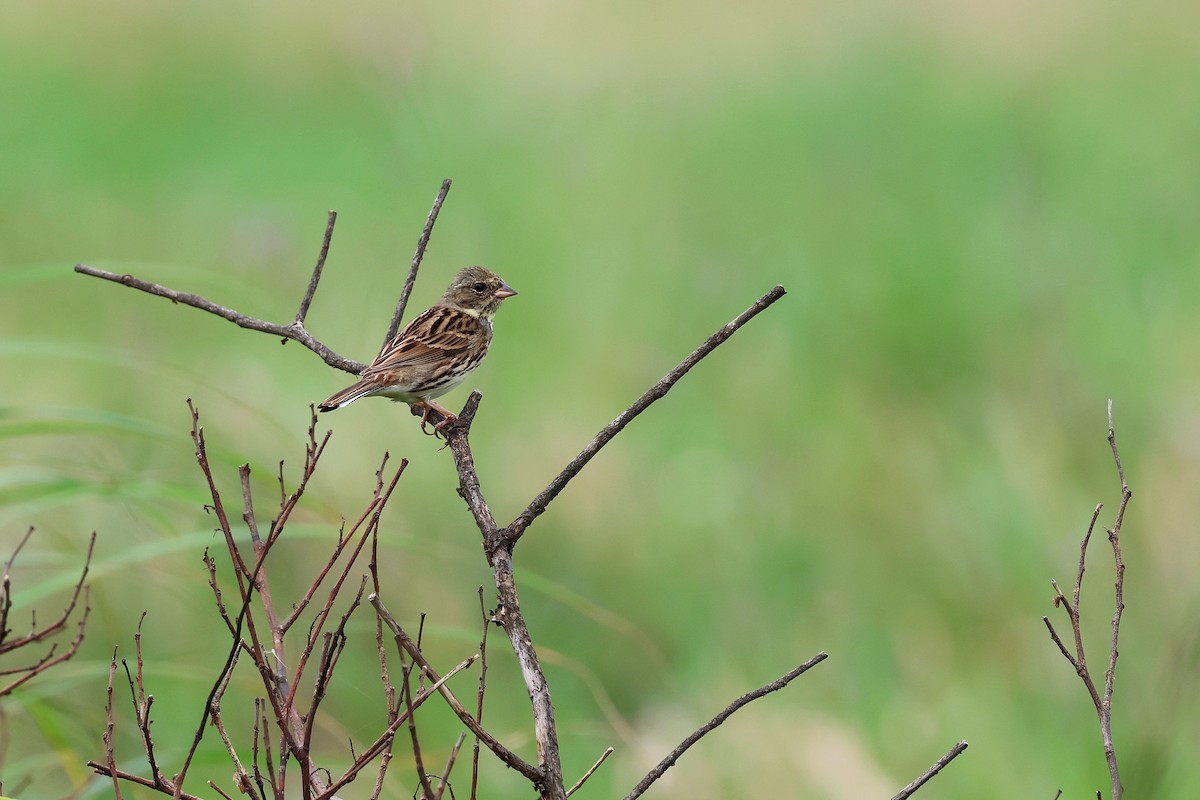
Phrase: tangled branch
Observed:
(280, 684)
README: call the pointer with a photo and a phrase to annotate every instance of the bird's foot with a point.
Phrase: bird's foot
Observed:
(447, 417)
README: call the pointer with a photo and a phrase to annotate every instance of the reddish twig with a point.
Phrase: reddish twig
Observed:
(483, 665)
(410, 647)
(242, 778)
(38, 635)
(377, 503)
(384, 740)
(418, 759)
(389, 689)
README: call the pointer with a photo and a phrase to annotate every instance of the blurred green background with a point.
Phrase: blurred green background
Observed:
(986, 219)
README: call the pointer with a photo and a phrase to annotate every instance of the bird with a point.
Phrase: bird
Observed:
(437, 350)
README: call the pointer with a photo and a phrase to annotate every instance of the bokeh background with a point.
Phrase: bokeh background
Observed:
(985, 215)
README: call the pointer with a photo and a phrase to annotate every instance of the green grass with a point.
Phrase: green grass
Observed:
(985, 222)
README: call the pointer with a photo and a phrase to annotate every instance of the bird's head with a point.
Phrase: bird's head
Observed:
(477, 291)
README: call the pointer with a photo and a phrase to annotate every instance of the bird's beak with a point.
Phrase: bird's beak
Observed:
(504, 291)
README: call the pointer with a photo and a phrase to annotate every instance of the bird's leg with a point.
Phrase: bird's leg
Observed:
(447, 414)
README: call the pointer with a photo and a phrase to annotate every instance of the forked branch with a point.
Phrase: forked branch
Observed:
(1101, 699)
(295, 329)
(39, 635)
(499, 542)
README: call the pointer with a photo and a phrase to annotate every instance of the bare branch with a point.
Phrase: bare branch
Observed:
(291, 331)
(499, 543)
(1062, 647)
(50, 658)
(457, 439)
(513, 532)
(405, 641)
(1078, 661)
(422, 243)
(908, 791)
(306, 301)
(545, 732)
(1114, 538)
(483, 666)
(109, 753)
(120, 774)
(384, 740)
(725, 714)
(418, 759)
(603, 757)
(444, 781)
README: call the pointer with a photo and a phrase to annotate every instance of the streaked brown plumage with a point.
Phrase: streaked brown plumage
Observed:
(437, 350)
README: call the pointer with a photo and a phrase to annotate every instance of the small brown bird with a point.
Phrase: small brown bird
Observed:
(437, 350)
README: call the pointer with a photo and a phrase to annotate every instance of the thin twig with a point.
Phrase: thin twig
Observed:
(483, 665)
(657, 391)
(422, 243)
(109, 753)
(444, 781)
(306, 301)
(36, 635)
(418, 759)
(289, 331)
(1078, 660)
(6, 591)
(323, 615)
(384, 739)
(240, 776)
(603, 757)
(120, 774)
(143, 701)
(389, 689)
(725, 714)
(908, 791)
(405, 641)
(1114, 538)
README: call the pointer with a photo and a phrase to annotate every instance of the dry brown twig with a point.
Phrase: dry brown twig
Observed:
(1078, 659)
(9, 645)
(20, 646)
(498, 541)
(264, 638)
(937, 767)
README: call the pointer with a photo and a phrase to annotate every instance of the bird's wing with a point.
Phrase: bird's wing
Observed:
(437, 334)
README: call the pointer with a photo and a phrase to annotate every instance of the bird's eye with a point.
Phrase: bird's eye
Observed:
(480, 287)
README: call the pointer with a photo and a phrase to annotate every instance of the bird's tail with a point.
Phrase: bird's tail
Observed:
(347, 396)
